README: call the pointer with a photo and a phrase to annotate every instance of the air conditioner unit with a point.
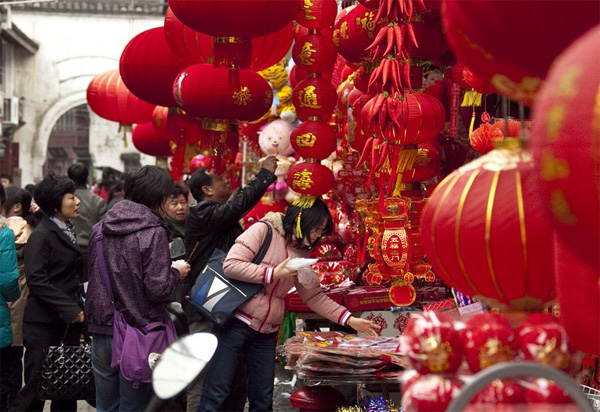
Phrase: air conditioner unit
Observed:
(11, 111)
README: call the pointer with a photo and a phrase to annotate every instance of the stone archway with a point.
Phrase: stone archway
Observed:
(39, 150)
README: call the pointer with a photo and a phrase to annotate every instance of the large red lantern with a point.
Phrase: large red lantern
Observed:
(235, 18)
(311, 179)
(514, 66)
(316, 140)
(148, 67)
(316, 15)
(485, 233)
(432, 42)
(565, 141)
(219, 93)
(195, 47)
(355, 31)
(314, 97)
(110, 99)
(147, 140)
(314, 53)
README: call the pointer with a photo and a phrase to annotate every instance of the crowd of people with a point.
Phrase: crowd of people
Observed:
(52, 288)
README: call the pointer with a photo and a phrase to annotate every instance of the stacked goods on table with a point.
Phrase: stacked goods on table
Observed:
(445, 353)
(338, 357)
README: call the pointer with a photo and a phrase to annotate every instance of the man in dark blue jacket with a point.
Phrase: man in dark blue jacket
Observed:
(214, 223)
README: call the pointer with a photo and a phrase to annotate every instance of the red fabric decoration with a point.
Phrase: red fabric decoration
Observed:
(110, 99)
(147, 140)
(514, 67)
(314, 53)
(427, 165)
(314, 97)
(195, 47)
(219, 93)
(488, 340)
(430, 393)
(316, 15)
(482, 139)
(354, 32)
(315, 140)
(148, 67)
(235, 18)
(432, 42)
(485, 232)
(431, 344)
(565, 143)
(310, 179)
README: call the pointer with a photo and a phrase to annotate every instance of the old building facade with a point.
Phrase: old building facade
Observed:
(62, 46)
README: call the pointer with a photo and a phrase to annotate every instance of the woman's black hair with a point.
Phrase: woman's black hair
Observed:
(149, 186)
(49, 193)
(312, 218)
(180, 188)
(16, 195)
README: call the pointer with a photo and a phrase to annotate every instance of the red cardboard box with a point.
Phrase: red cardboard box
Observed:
(368, 298)
(294, 303)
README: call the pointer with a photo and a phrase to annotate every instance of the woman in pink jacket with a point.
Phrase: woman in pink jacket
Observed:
(253, 331)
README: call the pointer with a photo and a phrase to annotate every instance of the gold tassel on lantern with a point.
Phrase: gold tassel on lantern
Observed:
(471, 98)
(303, 202)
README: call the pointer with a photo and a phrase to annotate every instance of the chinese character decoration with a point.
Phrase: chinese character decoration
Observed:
(314, 99)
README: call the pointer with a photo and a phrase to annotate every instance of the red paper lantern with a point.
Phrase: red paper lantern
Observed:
(147, 140)
(432, 42)
(110, 99)
(419, 117)
(566, 145)
(316, 15)
(235, 18)
(515, 67)
(427, 165)
(148, 67)
(314, 97)
(485, 233)
(219, 93)
(159, 119)
(482, 139)
(315, 140)
(195, 47)
(355, 31)
(311, 179)
(314, 53)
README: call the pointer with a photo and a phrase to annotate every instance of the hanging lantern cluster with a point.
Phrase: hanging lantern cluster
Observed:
(110, 99)
(314, 99)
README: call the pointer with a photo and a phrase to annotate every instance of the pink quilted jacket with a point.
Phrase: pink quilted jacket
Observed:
(264, 312)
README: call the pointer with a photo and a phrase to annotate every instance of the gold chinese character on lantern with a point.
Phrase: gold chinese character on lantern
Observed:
(307, 9)
(308, 98)
(366, 22)
(242, 96)
(303, 180)
(306, 140)
(306, 54)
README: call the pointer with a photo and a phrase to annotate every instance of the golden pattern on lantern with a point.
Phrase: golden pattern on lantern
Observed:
(303, 180)
(307, 6)
(494, 352)
(343, 34)
(306, 56)
(308, 98)
(367, 22)
(306, 140)
(242, 96)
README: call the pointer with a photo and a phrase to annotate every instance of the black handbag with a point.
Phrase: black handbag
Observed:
(215, 295)
(67, 372)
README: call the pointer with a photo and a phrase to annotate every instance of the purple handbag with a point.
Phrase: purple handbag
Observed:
(135, 350)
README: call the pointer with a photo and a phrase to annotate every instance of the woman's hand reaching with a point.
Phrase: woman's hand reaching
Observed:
(281, 271)
(363, 325)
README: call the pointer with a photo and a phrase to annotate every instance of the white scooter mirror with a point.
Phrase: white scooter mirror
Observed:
(181, 363)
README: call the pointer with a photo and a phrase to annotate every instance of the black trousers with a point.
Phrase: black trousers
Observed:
(11, 375)
(36, 337)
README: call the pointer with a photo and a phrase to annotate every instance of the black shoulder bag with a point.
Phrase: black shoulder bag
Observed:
(215, 296)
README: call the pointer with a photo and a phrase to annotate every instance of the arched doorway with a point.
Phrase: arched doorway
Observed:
(69, 141)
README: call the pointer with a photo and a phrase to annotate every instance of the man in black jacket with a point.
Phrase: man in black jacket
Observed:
(213, 223)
